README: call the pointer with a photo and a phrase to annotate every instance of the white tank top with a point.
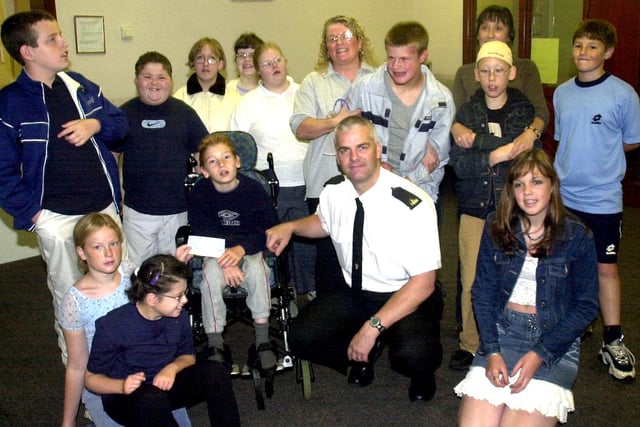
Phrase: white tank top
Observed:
(524, 291)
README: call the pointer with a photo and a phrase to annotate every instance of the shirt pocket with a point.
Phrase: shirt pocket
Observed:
(34, 132)
(557, 276)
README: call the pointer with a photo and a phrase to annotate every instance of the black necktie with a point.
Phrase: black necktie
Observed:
(356, 260)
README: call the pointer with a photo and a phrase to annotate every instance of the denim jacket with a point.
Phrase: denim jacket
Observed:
(479, 185)
(566, 292)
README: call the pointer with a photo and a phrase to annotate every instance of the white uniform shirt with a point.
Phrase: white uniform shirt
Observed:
(399, 242)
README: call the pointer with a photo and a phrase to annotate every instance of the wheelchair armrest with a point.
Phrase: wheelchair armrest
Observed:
(182, 235)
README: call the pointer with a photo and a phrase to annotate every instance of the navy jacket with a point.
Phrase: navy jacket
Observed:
(24, 138)
(566, 292)
(479, 185)
(241, 216)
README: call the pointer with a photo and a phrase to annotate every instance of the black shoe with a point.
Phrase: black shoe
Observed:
(254, 361)
(461, 360)
(361, 374)
(267, 351)
(422, 388)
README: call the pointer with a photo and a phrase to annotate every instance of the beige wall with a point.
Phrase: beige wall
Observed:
(171, 27)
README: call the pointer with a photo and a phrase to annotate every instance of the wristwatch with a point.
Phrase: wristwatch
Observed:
(374, 322)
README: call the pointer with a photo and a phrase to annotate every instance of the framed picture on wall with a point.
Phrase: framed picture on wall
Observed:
(89, 34)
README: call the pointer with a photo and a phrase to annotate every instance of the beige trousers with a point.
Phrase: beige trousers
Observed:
(469, 236)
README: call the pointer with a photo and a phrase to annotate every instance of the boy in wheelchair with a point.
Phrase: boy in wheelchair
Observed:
(236, 208)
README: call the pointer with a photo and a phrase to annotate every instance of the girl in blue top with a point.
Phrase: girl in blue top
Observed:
(143, 358)
(98, 241)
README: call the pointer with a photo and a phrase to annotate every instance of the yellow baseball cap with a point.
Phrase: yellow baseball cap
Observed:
(495, 49)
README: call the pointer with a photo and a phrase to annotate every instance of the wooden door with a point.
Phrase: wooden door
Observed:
(6, 67)
(625, 63)
(625, 16)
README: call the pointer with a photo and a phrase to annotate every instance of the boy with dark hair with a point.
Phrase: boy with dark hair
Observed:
(164, 132)
(411, 110)
(55, 166)
(597, 119)
(496, 114)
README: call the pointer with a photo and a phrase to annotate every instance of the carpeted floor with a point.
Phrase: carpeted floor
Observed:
(32, 376)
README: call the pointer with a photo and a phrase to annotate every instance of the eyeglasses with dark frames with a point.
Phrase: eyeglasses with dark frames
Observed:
(178, 298)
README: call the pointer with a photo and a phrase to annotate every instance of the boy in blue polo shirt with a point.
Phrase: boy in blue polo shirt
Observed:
(597, 120)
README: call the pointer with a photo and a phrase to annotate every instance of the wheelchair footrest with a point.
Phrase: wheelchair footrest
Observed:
(281, 366)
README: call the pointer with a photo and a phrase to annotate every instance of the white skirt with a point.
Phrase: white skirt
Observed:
(547, 398)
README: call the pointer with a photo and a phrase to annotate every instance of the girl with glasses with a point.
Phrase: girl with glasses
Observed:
(143, 358)
(98, 241)
(205, 87)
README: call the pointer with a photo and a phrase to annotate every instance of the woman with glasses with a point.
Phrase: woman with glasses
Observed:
(264, 112)
(320, 104)
(205, 87)
(248, 77)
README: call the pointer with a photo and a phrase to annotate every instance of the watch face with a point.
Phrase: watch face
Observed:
(375, 322)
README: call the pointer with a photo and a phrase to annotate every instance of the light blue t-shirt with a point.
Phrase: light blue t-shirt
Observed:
(79, 312)
(592, 121)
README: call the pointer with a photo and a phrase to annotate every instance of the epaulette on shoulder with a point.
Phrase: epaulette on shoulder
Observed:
(335, 180)
(406, 197)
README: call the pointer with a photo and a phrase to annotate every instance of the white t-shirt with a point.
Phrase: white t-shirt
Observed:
(265, 115)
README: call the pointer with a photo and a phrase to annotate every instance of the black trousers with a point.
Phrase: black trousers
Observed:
(323, 330)
(149, 406)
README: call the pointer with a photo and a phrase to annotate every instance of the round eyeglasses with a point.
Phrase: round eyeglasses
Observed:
(335, 38)
(274, 62)
(244, 55)
(209, 60)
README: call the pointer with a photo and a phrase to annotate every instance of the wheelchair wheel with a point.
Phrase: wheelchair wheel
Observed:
(307, 373)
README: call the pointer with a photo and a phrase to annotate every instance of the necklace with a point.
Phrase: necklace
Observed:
(535, 239)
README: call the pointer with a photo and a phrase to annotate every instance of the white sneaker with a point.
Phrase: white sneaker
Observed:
(619, 358)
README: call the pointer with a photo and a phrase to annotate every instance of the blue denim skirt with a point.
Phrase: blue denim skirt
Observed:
(549, 392)
(517, 334)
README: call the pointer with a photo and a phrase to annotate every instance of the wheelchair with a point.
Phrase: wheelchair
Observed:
(283, 297)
